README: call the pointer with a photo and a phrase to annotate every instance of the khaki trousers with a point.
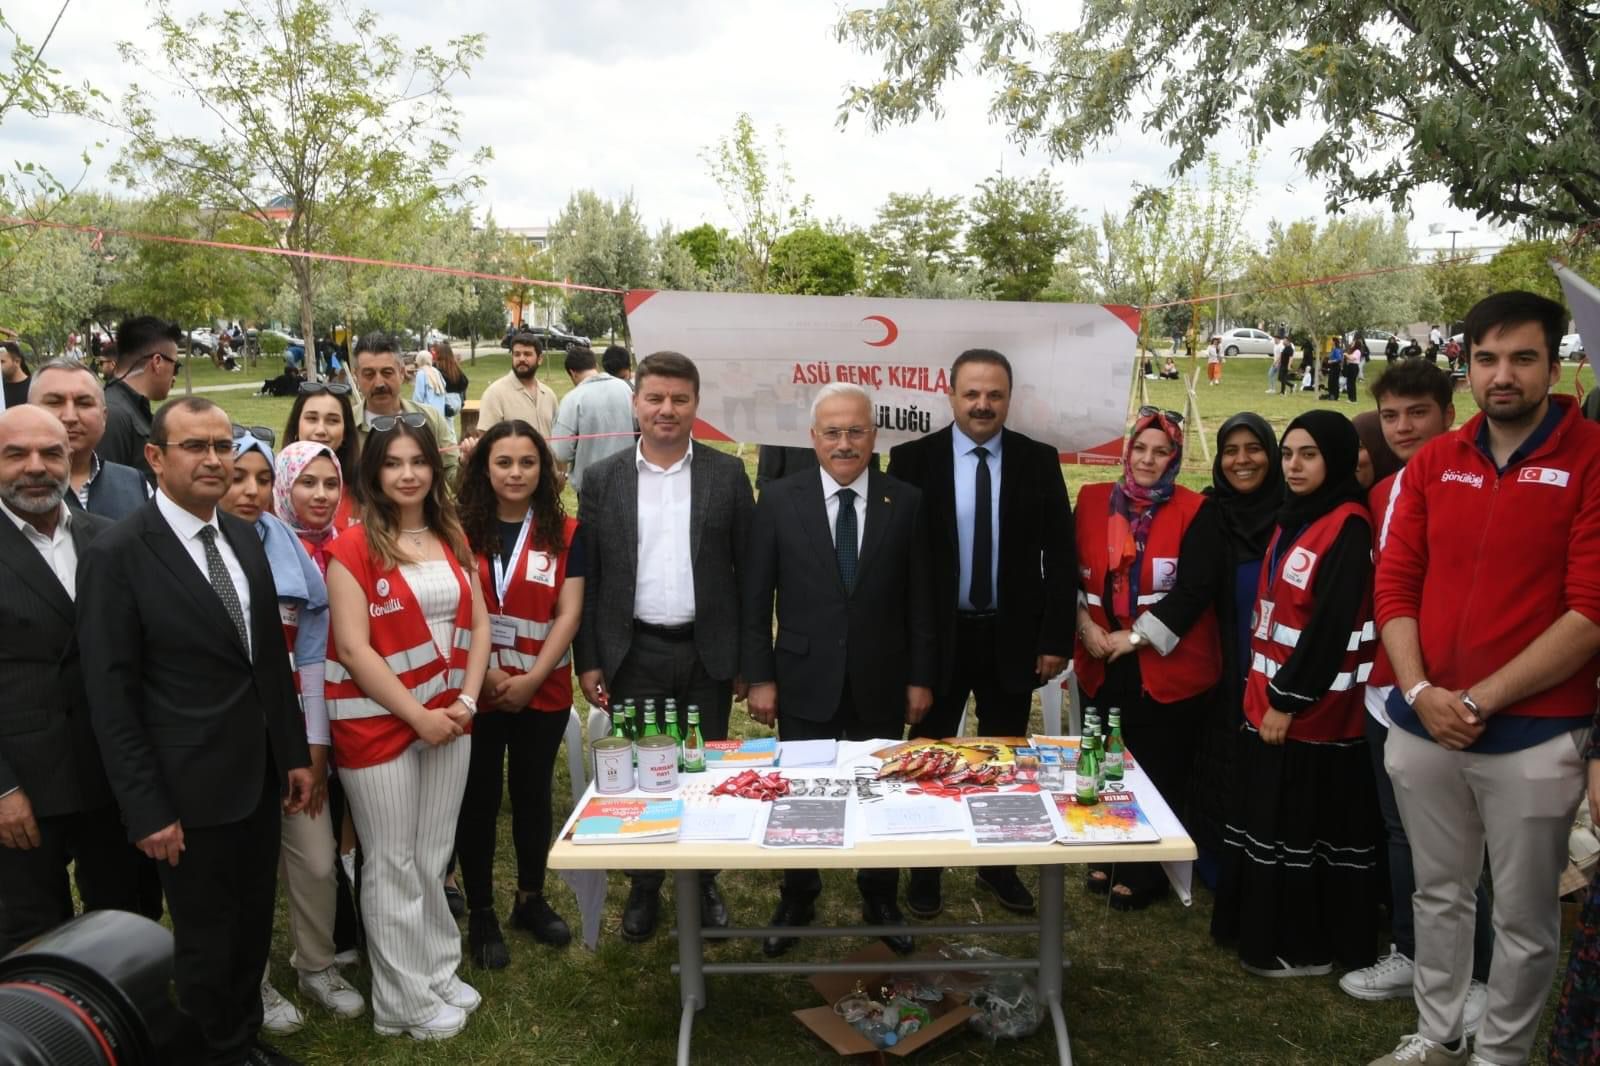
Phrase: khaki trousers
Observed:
(306, 859)
(1520, 806)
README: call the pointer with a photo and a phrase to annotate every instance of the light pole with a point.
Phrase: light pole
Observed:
(1453, 233)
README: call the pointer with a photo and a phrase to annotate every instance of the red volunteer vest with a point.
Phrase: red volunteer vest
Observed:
(1284, 602)
(364, 732)
(530, 604)
(1195, 665)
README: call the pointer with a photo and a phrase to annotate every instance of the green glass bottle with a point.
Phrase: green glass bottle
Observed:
(1116, 754)
(619, 722)
(1084, 782)
(650, 727)
(694, 745)
(1099, 760)
(674, 732)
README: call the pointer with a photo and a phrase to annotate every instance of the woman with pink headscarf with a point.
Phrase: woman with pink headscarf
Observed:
(1147, 630)
(306, 494)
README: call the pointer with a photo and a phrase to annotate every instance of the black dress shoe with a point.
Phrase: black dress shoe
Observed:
(640, 913)
(887, 912)
(536, 916)
(713, 912)
(924, 898)
(486, 946)
(789, 912)
(1008, 888)
(455, 901)
(264, 1054)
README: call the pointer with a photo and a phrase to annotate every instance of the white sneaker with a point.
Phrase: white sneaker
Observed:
(347, 859)
(1388, 978)
(1418, 1050)
(1477, 1003)
(333, 992)
(460, 995)
(347, 958)
(442, 1026)
(278, 1016)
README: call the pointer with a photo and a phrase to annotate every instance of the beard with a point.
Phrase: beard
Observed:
(524, 373)
(16, 499)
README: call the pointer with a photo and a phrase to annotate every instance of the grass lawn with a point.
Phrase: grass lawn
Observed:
(1143, 988)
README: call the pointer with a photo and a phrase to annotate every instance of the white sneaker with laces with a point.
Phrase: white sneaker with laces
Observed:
(1388, 978)
(460, 995)
(1477, 1003)
(278, 1016)
(350, 957)
(1418, 1050)
(333, 992)
(442, 1026)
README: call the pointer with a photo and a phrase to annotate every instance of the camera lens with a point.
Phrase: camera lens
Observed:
(94, 992)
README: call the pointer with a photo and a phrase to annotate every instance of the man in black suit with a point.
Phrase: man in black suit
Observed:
(665, 523)
(55, 805)
(1003, 568)
(842, 550)
(194, 705)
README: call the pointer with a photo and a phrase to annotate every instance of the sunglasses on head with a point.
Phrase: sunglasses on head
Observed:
(1150, 409)
(332, 388)
(261, 433)
(384, 423)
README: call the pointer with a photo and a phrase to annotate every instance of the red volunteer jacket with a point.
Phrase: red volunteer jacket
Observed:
(1284, 604)
(530, 605)
(1378, 502)
(1195, 665)
(1487, 561)
(364, 732)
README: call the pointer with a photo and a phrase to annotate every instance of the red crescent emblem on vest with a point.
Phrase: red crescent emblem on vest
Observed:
(544, 561)
(1300, 563)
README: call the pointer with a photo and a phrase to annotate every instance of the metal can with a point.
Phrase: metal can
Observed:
(613, 765)
(658, 763)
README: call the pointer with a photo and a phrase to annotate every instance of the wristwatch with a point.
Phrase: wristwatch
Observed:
(1137, 639)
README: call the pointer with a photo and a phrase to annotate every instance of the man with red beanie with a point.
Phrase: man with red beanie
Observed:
(1488, 599)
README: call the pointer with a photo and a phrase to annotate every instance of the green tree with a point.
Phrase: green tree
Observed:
(1207, 227)
(601, 243)
(674, 264)
(707, 246)
(322, 122)
(1018, 230)
(1496, 99)
(1134, 258)
(916, 237)
(758, 189)
(1456, 287)
(810, 261)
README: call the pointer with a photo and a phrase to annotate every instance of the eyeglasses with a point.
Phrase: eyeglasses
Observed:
(332, 388)
(384, 423)
(857, 434)
(261, 433)
(155, 357)
(198, 448)
(1150, 409)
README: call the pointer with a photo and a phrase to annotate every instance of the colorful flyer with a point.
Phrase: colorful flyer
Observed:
(1116, 819)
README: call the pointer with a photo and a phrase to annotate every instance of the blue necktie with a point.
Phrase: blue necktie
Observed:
(981, 592)
(844, 538)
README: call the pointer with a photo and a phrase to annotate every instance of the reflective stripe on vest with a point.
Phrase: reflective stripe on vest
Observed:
(344, 709)
(1289, 637)
(1342, 681)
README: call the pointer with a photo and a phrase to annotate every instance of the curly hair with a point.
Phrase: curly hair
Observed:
(479, 507)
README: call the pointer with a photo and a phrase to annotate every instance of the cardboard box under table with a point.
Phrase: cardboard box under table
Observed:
(687, 858)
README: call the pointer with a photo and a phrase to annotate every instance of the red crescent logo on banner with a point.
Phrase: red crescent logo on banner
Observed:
(890, 330)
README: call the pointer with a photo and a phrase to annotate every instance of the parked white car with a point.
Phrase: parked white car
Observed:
(1247, 341)
(1571, 346)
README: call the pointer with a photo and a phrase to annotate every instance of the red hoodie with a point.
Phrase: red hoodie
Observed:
(1488, 561)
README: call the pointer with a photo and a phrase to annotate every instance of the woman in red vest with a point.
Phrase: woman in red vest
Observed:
(406, 657)
(532, 574)
(1137, 539)
(1297, 890)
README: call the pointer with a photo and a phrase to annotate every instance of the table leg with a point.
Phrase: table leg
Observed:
(691, 979)
(1052, 908)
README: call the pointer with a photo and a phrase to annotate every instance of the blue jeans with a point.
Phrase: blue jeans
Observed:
(1402, 882)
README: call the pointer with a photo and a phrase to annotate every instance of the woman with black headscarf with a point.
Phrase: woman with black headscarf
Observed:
(1298, 882)
(1377, 460)
(1232, 532)
(1136, 549)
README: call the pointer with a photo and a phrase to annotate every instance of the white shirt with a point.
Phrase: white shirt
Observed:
(186, 527)
(663, 589)
(59, 553)
(830, 500)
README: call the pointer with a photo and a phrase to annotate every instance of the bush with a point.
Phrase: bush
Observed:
(274, 344)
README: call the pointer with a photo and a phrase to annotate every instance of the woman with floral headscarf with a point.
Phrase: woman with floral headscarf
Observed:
(1137, 539)
(307, 493)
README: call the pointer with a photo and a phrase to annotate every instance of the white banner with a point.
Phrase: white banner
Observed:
(762, 359)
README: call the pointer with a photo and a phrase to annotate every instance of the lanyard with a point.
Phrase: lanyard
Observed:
(503, 575)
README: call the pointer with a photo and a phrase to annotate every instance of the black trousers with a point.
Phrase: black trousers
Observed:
(1352, 371)
(847, 723)
(656, 668)
(348, 933)
(531, 738)
(1001, 713)
(221, 896)
(34, 894)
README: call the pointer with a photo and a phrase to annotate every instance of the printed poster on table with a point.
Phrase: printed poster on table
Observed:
(763, 357)
(807, 823)
(1002, 818)
(1116, 819)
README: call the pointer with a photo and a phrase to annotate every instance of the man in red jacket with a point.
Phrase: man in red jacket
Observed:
(1488, 598)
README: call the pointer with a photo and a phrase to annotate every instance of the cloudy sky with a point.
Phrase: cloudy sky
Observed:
(624, 95)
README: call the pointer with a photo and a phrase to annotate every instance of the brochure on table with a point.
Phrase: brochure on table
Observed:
(874, 809)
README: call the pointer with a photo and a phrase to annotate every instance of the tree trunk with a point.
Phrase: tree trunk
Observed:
(302, 284)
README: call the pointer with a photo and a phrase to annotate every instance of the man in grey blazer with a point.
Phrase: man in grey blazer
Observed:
(69, 390)
(665, 523)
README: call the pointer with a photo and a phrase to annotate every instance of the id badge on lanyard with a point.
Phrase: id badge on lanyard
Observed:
(502, 629)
